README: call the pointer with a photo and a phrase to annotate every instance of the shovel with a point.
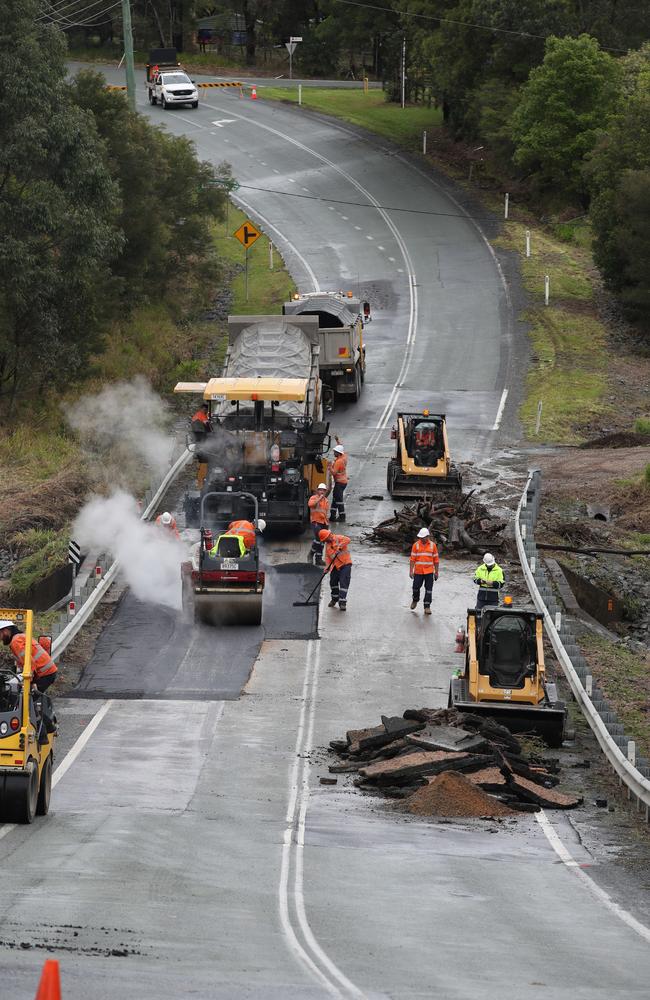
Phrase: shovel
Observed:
(309, 603)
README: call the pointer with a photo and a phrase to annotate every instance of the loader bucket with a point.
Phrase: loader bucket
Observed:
(541, 720)
(414, 487)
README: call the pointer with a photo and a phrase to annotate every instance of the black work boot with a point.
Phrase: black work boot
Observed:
(343, 605)
(333, 602)
(342, 516)
(318, 560)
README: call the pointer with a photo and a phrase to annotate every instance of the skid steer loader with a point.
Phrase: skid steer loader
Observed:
(422, 464)
(504, 674)
(26, 741)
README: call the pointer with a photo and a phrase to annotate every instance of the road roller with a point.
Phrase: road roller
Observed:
(223, 583)
(27, 738)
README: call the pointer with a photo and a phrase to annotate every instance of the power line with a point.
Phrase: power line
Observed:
(58, 17)
(462, 24)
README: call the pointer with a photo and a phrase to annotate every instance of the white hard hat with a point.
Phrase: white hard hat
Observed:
(5, 623)
(339, 449)
(321, 486)
(261, 524)
(423, 533)
(489, 559)
(166, 518)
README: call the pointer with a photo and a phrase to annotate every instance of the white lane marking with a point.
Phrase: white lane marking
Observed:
(331, 207)
(332, 968)
(392, 260)
(569, 862)
(224, 121)
(291, 180)
(70, 757)
(358, 228)
(345, 218)
(502, 404)
(78, 746)
(275, 171)
(370, 237)
(299, 951)
(380, 248)
(269, 225)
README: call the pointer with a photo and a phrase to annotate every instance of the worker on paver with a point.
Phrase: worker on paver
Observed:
(423, 568)
(339, 565)
(340, 477)
(167, 523)
(44, 669)
(489, 579)
(319, 517)
(201, 423)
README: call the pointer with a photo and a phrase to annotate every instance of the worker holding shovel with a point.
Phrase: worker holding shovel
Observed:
(339, 564)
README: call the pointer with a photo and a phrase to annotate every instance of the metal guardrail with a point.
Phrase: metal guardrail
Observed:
(95, 589)
(598, 713)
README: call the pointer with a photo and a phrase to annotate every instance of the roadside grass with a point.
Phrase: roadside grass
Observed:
(267, 289)
(642, 425)
(47, 551)
(625, 678)
(211, 63)
(34, 453)
(371, 111)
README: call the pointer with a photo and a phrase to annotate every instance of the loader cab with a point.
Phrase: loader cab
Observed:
(424, 441)
(507, 647)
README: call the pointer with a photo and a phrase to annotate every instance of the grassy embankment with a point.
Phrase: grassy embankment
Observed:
(210, 63)
(44, 475)
(571, 358)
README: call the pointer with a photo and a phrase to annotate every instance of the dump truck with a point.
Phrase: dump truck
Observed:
(222, 583)
(342, 359)
(27, 738)
(422, 463)
(267, 436)
(504, 675)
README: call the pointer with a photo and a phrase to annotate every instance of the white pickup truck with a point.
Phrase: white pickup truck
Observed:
(171, 88)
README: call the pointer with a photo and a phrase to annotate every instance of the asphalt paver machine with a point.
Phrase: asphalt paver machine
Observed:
(27, 736)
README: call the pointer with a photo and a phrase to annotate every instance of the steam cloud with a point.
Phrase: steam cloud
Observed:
(149, 557)
(124, 421)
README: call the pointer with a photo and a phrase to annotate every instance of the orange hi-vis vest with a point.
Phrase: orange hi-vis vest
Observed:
(336, 552)
(424, 556)
(42, 662)
(319, 509)
(202, 416)
(244, 528)
(171, 527)
(338, 469)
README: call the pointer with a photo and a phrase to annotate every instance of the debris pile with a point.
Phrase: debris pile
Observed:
(465, 525)
(446, 763)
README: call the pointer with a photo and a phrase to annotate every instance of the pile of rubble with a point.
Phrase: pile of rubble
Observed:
(420, 757)
(464, 526)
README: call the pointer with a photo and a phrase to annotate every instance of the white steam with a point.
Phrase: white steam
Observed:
(124, 422)
(150, 558)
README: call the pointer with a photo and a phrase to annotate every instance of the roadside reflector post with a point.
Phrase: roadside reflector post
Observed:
(523, 531)
(270, 255)
(533, 564)
(98, 572)
(528, 242)
(589, 685)
(631, 752)
(72, 608)
(538, 419)
(506, 206)
(547, 289)
(365, 84)
(558, 620)
(300, 93)
(424, 142)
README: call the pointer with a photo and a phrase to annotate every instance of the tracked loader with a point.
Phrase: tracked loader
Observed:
(26, 739)
(504, 674)
(422, 463)
(222, 583)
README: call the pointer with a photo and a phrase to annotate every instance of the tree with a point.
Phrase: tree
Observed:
(58, 207)
(564, 105)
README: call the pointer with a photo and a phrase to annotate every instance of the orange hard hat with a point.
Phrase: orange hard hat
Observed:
(324, 534)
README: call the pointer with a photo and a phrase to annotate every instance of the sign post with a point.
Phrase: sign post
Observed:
(247, 234)
(291, 45)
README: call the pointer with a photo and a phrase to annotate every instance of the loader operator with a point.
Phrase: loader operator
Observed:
(44, 668)
(340, 477)
(319, 518)
(423, 568)
(167, 523)
(339, 566)
(426, 444)
(489, 580)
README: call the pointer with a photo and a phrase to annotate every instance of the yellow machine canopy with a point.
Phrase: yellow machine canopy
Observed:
(249, 389)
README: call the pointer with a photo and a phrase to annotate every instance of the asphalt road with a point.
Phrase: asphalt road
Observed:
(191, 851)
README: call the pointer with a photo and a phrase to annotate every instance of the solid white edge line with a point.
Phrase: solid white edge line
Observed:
(502, 406)
(70, 757)
(80, 743)
(573, 866)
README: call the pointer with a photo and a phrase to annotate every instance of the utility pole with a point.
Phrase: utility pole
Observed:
(128, 53)
(403, 70)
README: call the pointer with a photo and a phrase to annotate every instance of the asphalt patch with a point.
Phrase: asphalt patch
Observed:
(147, 651)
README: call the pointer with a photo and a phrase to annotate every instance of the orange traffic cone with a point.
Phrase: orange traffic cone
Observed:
(253, 94)
(49, 987)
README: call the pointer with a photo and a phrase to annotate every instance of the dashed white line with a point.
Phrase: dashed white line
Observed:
(380, 247)
(497, 421)
(392, 260)
(370, 237)
(358, 228)
(345, 217)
